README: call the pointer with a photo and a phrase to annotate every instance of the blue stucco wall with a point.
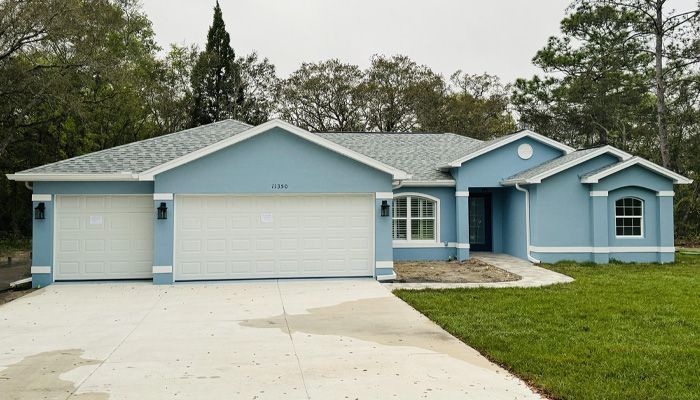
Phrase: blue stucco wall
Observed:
(254, 165)
(488, 170)
(564, 214)
(513, 227)
(42, 243)
(93, 187)
(560, 206)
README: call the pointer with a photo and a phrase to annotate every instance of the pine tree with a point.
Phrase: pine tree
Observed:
(216, 77)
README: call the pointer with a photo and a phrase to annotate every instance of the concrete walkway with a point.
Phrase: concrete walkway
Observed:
(532, 276)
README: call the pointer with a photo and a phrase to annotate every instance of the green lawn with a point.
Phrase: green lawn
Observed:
(621, 331)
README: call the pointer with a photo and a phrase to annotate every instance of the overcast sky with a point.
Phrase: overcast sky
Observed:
(495, 36)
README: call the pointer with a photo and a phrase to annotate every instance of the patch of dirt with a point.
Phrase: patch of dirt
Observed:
(470, 271)
(9, 295)
(14, 266)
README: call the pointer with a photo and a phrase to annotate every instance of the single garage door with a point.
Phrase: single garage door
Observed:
(245, 237)
(104, 237)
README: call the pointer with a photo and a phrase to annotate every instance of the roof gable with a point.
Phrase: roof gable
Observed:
(491, 145)
(538, 173)
(275, 123)
(596, 176)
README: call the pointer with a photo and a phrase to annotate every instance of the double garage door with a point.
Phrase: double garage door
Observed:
(243, 237)
(217, 237)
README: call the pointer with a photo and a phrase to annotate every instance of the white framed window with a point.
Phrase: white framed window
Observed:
(414, 218)
(629, 217)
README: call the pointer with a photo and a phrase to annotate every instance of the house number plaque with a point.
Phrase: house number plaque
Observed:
(280, 186)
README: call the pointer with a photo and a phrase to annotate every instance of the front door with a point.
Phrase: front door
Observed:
(480, 221)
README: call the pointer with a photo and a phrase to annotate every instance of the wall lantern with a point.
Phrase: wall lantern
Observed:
(385, 208)
(162, 211)
(40, 211)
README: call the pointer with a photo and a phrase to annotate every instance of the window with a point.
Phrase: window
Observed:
(414, 218)
(629, 217)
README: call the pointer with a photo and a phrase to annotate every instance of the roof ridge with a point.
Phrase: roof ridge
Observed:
(134, 143)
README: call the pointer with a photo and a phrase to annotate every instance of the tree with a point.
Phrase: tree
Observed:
(668, 36)
(596, 90)
(260, 86)
(324, 97)
(216, 78)
(477, 106)
(400, 93)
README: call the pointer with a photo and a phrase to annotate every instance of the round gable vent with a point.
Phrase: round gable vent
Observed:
(525, 151)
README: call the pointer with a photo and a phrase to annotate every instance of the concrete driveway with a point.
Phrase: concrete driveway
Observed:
(320, 339)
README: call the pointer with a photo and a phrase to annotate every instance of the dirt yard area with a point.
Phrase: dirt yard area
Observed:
(14, 265)
(470, 271)
(9, 295)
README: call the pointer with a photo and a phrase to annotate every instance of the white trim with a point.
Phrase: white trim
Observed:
(384, 195)
(40, 270)
(517, 136)
(461, 194)
(38, 177)
(162, 196)
(598, 250)
(41, 197)
(274, 123)
(598, 193)
(387, 277)
(426, 244)
(527, 224)
(419, 183)
(640, 217)
(408, 218)
(677, 178)
(665, 193)
(384, 264)
(598, 152)
(162, 269)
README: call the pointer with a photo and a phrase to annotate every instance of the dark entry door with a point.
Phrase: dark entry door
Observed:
(480, 221)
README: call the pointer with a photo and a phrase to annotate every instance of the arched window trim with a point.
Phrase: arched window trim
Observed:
(640, 217)
(408, 240)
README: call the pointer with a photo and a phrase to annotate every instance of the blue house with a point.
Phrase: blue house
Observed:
(234, 201)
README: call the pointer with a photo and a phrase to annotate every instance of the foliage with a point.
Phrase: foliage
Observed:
(216, 77)
(324, 97)
(617, 332)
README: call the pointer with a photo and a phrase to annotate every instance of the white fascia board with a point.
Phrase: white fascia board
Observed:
(124, 176)
(677, 178)
(438, 183)
(525, 133)
(256, 130)
(538, 178)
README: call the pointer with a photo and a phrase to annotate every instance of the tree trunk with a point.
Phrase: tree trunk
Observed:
(661, 89)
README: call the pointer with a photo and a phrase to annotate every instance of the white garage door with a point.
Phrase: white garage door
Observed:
(243, 237)
(104, 237)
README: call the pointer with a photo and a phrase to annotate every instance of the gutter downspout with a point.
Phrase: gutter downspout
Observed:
(527, 223)
(28, 185)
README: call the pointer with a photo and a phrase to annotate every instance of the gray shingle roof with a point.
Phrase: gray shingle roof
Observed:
(145, 154)
(419, 154)
(602, 169)
(548, 165)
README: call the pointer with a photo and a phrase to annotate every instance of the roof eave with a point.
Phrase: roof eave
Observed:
(36, 177)
(677, 179)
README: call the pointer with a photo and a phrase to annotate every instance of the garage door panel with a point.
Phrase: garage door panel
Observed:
(104, 237)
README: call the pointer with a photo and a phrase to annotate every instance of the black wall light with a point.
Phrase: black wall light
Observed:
(40, 211)
(385, 208)
(162, 211)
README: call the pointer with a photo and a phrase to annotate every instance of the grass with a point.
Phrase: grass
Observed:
(13, 244)
(620, 331)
